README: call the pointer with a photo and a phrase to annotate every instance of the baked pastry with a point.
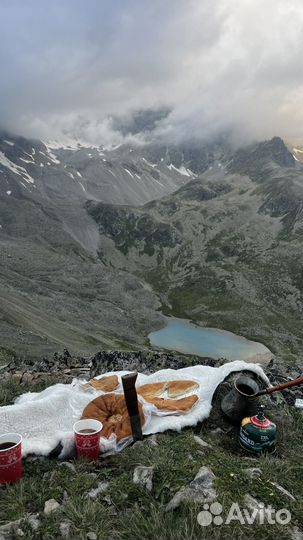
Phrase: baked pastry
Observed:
(173, 405)
(111, 410)
(105, 384)
(179, 388)
(152, 390)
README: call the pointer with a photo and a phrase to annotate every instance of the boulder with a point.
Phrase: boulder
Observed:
(143, 477)
(200, 490)
(51, 506)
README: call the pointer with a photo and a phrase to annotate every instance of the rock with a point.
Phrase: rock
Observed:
(200, 490)
(200, 442)
(105, 361)
(32, 459)
(91, 536)
(16, 377)
(152, 441)
(112, 510)
(216, 431)
(51, 506)
(8, 529)
(137, 444)
(3, 367)
(283, 491)
(107, 499)
(52, 476)
(253, 472)
(33, 521)
(101, 488)
(68, 465)
(91, 475)
(299, 403)
(19, 533)
(143, 477)
(27, 378)
(45, 368)
(295, 533)
(65, 529)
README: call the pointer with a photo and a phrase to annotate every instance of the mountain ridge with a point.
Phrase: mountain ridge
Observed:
(235, 249)
(79, 271)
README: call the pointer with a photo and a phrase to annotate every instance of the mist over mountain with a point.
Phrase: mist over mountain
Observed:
(214, 65)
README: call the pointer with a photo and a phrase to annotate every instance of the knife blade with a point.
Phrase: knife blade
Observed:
(131, 398)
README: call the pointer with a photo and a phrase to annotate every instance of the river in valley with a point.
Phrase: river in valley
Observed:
(185, 337)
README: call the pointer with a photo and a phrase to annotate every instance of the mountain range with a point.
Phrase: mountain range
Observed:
(97, 243)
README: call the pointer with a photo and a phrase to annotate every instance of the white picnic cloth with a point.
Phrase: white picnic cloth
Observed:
(46, 418)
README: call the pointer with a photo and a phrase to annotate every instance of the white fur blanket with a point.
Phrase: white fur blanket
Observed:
(46, 418)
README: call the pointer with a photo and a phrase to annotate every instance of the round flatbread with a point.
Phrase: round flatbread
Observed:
(111, 410)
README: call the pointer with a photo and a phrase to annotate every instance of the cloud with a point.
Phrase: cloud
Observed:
(69, 67)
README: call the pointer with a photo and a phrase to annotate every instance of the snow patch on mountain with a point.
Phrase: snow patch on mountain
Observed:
(16, 169)
(297, 154)
(26, 160)
(181, 170)
(149, 163)
(52, 156)
(69, 143)
(128, 172)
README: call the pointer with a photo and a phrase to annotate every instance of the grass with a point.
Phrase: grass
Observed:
(6, 355)
(126, 511)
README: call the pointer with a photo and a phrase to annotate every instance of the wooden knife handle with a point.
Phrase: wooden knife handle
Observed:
(131, 398)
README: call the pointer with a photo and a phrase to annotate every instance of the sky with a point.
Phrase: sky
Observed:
(70, 66)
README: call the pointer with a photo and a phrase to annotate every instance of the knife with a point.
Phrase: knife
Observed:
(130, 393)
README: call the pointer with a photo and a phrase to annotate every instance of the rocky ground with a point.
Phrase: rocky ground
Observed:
(156, 488)
(65, 367)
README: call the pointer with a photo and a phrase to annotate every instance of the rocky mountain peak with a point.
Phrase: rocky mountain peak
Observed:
(277, 151)
(255, 159)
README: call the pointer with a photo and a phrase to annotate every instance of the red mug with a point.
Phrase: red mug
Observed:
(10, 458)
(87, 437)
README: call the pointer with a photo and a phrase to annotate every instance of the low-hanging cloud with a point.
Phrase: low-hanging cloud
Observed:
(70, 67)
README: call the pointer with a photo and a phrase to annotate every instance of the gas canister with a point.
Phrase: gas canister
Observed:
(258, 433)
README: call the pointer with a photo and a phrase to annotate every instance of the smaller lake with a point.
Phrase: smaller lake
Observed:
(180, 335)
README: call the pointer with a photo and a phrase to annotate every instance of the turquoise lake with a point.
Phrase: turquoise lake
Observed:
(180, 335)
